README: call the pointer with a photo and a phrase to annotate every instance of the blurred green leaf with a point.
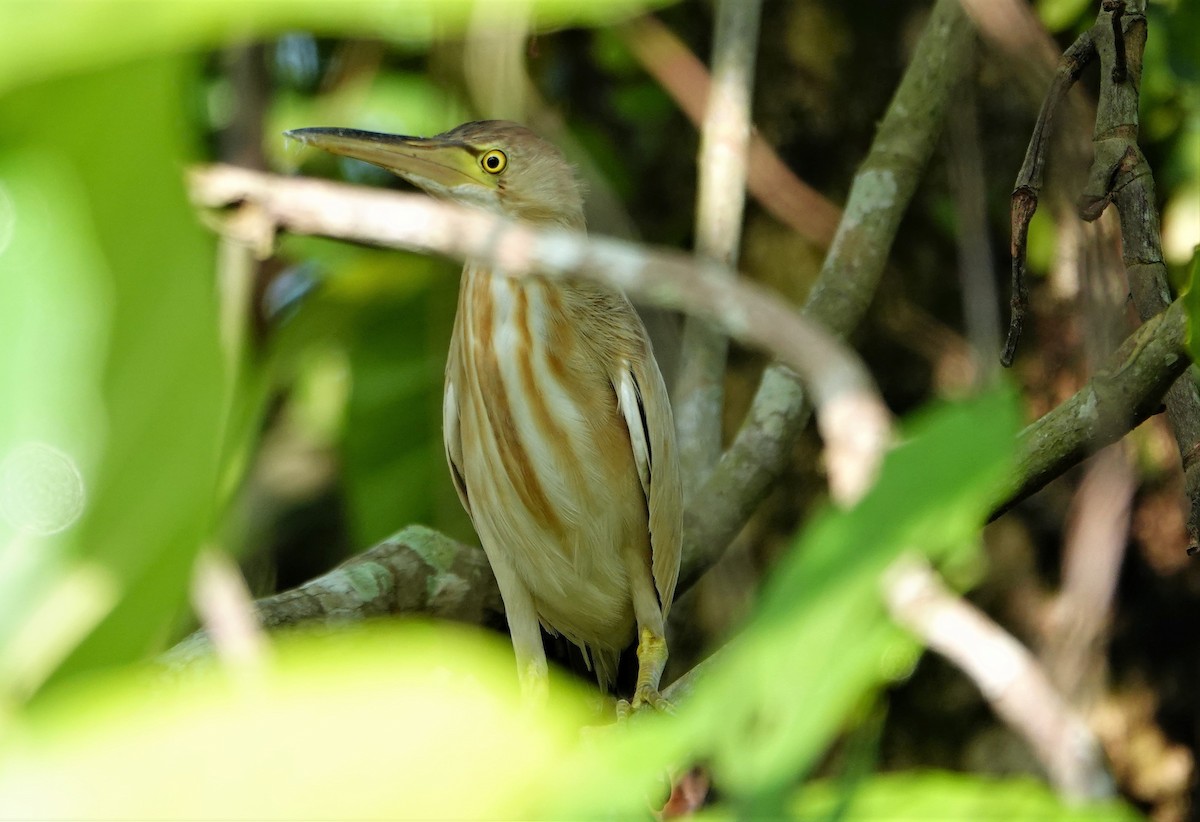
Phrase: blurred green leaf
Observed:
(1059, 15)
(157, 384)
(392, 443)
(821, 640)
(410, 721)
(912, 796)
(1191, 299)
(55, 310)
(46, 38)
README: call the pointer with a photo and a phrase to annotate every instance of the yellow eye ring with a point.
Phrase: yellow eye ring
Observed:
(494, 161)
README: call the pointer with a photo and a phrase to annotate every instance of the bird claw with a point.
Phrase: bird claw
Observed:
(645, 700)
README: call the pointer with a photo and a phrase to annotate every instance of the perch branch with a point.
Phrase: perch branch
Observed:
(725, 138)
(417, 571)
(421, 571)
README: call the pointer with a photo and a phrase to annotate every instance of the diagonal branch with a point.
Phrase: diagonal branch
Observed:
(776, 188)
(879, 195)
(1127, 390)
(1007, 674)
(725, 138)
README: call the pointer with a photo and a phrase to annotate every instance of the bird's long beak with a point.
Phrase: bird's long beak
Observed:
(433, 163)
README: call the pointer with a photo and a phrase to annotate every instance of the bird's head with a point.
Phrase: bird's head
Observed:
(494, 164)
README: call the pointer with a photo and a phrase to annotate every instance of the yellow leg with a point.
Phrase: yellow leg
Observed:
(652, 659)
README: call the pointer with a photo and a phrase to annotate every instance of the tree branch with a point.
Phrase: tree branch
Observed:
(417, 571)
(1029, 181)
(1007, 675)
(725, 138)
(1120, 396)
(849, 276)
(1121, 175)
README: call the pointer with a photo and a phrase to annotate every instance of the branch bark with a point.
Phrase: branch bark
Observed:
(1006, 673)
(1125, 392)
(1120, 175)
(849, 276)
(416, 571)
(725, 138)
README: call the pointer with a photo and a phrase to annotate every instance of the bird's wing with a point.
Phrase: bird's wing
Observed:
(452, 438)
(642, 397)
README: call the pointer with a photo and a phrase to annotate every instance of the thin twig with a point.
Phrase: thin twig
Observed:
(725, 138)
(222, 600)
(976, 273)
(775, 186)
(852, 419)
(1073, 648)
(494, 59)
(1028, 187)
(1006, 673)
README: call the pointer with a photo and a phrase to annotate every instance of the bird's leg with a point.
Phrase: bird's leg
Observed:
(652, 642)
(652, 659)
(526, 633)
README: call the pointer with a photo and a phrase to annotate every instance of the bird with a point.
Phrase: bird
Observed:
(556, 420)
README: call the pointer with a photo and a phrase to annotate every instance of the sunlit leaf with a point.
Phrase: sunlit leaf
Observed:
(903, 797)
(821, 641)
(143, 275)
(53, 37)
(411, 722)
(1191, 299)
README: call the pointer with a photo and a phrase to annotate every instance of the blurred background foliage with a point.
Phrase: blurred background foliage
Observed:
(287, 412)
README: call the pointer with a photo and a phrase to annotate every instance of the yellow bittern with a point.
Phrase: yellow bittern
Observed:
(556, 420)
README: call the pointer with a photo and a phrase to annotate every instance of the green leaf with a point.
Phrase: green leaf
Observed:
(46, 38)
(821, 641)
(1191, 301)
(1058, 15)
(951, 796)
(410, 721)
(117, 233)
(903, 797)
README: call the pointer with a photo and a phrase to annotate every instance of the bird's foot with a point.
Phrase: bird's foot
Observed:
(645, 700)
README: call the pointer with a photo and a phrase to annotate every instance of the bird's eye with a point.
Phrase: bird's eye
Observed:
(494, 161)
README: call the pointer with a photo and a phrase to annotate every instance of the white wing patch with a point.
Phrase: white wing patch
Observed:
(453, 441)
(629, 400)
